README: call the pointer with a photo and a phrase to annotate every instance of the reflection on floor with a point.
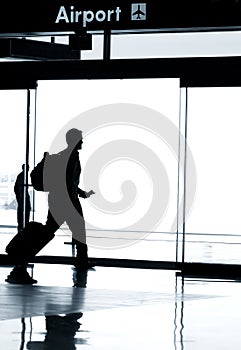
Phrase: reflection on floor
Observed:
(118, 308)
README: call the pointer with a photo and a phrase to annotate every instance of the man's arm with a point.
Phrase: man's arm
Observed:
(84, 194)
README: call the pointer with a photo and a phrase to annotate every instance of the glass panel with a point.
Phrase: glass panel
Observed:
(213, 227)
(13, 107)
(199, 44)
(129, 157)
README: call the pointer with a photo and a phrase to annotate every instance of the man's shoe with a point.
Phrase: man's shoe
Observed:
(14, 280)
(20, 276)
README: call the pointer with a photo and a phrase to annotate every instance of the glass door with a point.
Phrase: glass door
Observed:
(16, 108)
(130, 158)
(213, 229)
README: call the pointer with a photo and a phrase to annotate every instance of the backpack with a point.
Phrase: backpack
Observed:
(45, 174)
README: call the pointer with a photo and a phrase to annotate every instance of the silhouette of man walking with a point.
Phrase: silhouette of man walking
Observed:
(63, 198)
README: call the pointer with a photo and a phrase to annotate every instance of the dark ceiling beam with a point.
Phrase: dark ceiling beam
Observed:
(205, 71)
(14, 84)
(36, 50)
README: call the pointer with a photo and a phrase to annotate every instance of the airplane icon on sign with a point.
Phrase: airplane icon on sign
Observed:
(138, 12)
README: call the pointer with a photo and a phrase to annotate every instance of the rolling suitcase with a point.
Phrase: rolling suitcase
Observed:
(28, 242)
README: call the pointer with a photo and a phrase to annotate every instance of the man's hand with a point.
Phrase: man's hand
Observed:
(88, 194)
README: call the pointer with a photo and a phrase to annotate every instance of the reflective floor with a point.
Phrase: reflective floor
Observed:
(118, 308)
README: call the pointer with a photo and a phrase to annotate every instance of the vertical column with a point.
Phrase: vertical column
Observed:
(34, 148)
(185, 177)
(182, 175)
(178, 175)
(26, 160)
(107, 45)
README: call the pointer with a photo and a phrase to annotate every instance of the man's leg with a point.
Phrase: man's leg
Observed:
(76, 223)
(51, 225)
(19, 274)
(28, 209)
(20, 217)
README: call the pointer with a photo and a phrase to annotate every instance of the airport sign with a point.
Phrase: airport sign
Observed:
(56, 17)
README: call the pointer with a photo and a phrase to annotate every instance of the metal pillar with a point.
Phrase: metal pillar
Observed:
(107, 45)
(185, 180)
(26, 168)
